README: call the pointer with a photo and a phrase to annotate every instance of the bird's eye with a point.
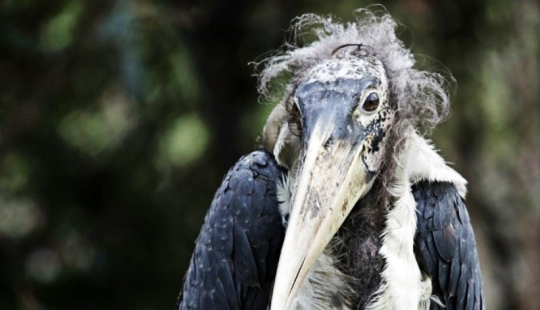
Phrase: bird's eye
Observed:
(371, 103)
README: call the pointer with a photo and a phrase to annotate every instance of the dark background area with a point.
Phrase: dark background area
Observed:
(118, 120)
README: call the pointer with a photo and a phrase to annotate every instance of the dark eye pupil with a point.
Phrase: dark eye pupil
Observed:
(371, 103)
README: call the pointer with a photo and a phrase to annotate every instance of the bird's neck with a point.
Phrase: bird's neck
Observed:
(357, 245)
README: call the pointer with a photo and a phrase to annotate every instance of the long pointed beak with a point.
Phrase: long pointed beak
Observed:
(332, 178)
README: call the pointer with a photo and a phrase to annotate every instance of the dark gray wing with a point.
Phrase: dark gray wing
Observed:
(446, 246)
(237, 251)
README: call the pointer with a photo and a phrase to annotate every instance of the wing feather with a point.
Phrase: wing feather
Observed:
(237, 251)
(447, 244)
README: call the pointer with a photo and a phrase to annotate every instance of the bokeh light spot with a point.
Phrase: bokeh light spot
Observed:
(77, 253)
(58, 32)
(18, 217)
(14, 176)
(185, 141)
(43, 265)
(96, 131)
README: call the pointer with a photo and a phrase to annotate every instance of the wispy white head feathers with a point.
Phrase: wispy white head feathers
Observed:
(420, 97)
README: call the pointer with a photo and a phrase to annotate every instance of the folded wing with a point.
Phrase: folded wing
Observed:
(237, 251)
(446, 246)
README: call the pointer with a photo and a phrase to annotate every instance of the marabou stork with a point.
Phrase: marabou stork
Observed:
(346, 206)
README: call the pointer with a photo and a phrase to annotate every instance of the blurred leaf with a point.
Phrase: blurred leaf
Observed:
(44, 265)
(14, 176)
(184, 142)
(57, 34)
(96, 131)
(18, 217)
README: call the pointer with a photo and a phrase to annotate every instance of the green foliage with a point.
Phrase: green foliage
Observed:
(184, 142)
(57, 34)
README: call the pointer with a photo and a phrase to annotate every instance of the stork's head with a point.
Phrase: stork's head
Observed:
(339, 116)
(339, 110)
(353, 92)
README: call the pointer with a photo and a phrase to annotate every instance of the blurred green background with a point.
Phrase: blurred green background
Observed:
(119, 118)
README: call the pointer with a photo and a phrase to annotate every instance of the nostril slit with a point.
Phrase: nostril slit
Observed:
(329, 143)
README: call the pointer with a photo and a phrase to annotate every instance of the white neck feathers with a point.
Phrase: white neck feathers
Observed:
(403, 285)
